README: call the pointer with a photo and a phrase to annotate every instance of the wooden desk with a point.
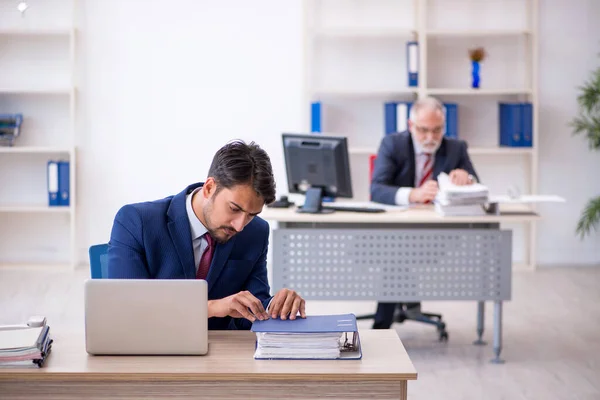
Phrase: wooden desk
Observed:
(227, 372)
(414, 215)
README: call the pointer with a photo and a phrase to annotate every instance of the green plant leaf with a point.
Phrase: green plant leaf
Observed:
(589, 99)
(588, 120)
(590, 218)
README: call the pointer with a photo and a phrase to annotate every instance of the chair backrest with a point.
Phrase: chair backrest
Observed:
(372, 159)
(99, 261)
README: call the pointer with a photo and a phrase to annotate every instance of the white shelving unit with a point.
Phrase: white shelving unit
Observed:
(37, 60)
(355, 61)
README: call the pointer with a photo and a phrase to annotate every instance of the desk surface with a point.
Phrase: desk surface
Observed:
(230, 358)
(414, 215)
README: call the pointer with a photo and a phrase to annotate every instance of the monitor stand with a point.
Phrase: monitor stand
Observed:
(313, 202)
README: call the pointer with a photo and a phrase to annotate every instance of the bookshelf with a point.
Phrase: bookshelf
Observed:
(38, 55)
(355, 61)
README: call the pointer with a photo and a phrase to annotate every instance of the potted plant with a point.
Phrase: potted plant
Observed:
(588, 124)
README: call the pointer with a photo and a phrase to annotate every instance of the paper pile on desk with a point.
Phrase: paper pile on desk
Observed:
(25, 347)
(313, 337)
(454, 200)
(298, 345)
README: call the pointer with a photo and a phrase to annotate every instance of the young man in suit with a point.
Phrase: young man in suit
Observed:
(211, 230)
(407, 167)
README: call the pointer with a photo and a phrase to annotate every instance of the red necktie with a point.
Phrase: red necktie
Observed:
(206, 257)
(427, 170)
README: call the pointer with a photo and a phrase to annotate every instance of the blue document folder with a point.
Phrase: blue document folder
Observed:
(451, 120)
(396, 116)
(52, 183)
(64, 184)
(412, 61)
(315, 117)
(516, 124)
(526, 125)
(297, 332)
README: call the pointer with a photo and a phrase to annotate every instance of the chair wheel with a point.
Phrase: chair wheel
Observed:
(443, 336)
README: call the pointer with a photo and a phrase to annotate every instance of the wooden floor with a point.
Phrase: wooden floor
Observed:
(551, 333)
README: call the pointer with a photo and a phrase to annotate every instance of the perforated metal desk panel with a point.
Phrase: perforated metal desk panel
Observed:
(394, 264)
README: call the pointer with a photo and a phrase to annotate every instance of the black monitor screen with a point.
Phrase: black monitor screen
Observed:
(316, 161)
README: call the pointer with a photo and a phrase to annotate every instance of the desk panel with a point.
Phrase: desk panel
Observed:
(393, 264)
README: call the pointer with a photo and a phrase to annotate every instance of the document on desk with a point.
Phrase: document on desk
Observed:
(27, 347)
(526, 199)
(324, 337)
(455, 200)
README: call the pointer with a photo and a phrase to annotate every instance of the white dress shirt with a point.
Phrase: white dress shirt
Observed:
(403, 193)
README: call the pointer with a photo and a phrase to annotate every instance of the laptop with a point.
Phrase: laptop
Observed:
(146, 316)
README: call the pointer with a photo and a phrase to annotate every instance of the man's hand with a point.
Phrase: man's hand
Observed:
(460, 177)
(425, 193)
(287, 302)
(239, 305)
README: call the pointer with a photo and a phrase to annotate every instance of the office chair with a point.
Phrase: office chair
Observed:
(413, 313)
(99, 261)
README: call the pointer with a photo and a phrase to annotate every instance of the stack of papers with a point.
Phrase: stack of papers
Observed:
(314, 337)
(25, 347)
(454, 200)
(298, 345)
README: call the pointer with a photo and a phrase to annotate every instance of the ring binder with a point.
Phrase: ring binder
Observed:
(324, 337)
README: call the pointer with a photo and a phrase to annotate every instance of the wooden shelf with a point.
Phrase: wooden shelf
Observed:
(477, 33)
(363, 93)
(500, 151)
(35, 150)
(364, 33)
(34, 265)
(36, 32)
(48, 90)
(34, 209)
(386, 93)
(477, 92)
(488, 151)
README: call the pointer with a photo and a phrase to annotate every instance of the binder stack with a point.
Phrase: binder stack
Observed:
(58, 183)
(397, 114)
(396, 117)
(516, 124)
(10, 127)
(324, 337)
(24, 347)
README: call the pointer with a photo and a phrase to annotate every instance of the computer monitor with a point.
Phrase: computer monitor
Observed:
(317, 166)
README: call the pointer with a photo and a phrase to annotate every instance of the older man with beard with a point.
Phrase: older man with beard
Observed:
(407, 167)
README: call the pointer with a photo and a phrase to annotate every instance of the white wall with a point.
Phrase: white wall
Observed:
(569, 51)
(164, 84)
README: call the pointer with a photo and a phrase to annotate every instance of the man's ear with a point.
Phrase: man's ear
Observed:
(209, 188)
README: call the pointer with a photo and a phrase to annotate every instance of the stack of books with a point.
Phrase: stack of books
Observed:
(454, 200)
(24, 347)
(325, 337)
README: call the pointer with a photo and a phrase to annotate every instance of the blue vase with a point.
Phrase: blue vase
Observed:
(475, 74)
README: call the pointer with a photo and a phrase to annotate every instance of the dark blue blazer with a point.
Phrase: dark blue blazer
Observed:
(395, 164)
(152, 240)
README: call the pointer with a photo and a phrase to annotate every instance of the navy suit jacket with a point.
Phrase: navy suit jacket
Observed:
(153, 240)
(395, 164)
